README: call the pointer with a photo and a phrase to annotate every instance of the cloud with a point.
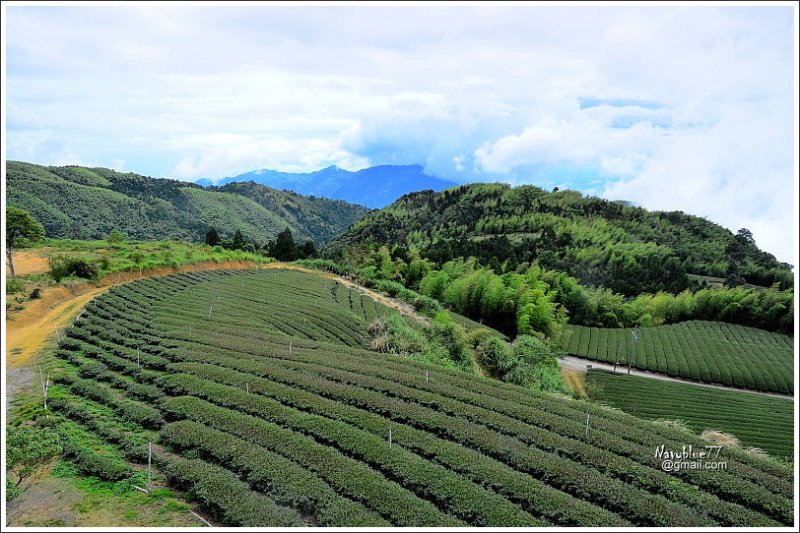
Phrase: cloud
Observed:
(673, 107)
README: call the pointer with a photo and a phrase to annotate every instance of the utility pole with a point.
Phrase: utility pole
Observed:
(634, 340)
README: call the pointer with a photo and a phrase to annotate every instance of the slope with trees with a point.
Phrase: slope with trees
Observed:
(82, 203)
(602, 243)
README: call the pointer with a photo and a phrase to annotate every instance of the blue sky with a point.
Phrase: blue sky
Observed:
(672, 107)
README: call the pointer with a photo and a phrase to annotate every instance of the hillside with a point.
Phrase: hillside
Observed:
(373, 187)
(262, 405)
(87, 203)
(712, 352)
(767, 424)
(627, 249)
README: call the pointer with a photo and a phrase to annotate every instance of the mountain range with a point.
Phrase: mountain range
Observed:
(87, 203)
(373, 187)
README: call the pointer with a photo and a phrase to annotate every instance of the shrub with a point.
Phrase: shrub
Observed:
(35, 294)
(14, 286)
(116, 237)
(64, 266)
(28, 448)
(92, 463)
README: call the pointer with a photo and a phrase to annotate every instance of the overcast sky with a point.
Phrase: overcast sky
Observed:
(669, 107)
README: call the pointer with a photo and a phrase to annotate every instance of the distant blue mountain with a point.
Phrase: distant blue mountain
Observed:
(373, 187)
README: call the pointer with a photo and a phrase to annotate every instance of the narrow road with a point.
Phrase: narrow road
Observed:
(578, 364)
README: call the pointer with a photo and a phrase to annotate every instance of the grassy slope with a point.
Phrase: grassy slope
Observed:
(292, 340)
(761, 421)
(712, 352)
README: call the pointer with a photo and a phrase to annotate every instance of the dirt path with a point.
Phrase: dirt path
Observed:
(577, 364)
(29, 262)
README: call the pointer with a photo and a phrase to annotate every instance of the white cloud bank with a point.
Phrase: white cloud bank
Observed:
(670, 107)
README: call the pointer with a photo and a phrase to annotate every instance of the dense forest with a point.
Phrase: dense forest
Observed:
(88, 203)
(602, 243)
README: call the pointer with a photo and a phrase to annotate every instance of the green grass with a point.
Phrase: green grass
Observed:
(132, 255)
(273, 412)
(711, 352)
(761, 421)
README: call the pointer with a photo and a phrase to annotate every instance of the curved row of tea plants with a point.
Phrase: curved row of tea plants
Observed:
(272, 364)
(760, 421)
(710, 352)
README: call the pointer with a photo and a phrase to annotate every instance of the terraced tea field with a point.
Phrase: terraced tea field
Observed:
(710, 352)
(263, 404)
(756, 420)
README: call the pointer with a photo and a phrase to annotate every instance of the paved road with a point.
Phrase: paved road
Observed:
(577, 364)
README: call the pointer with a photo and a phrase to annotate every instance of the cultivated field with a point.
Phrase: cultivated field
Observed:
(761, 421)
(711, 352)
(262, 403)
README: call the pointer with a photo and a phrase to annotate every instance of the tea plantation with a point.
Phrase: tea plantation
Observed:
(263, 404)
(711, 352)
(756, 420)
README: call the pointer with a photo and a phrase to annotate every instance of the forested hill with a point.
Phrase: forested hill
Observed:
(87, 203)
(627, 249)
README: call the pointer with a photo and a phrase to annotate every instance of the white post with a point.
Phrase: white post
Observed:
(390, 436)
(426, 376)
(55, 328)
(138, 365)
(210, 308)
(247, 386)
(45, 385)
(290, 348)
(149, 463)
(587, 424)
